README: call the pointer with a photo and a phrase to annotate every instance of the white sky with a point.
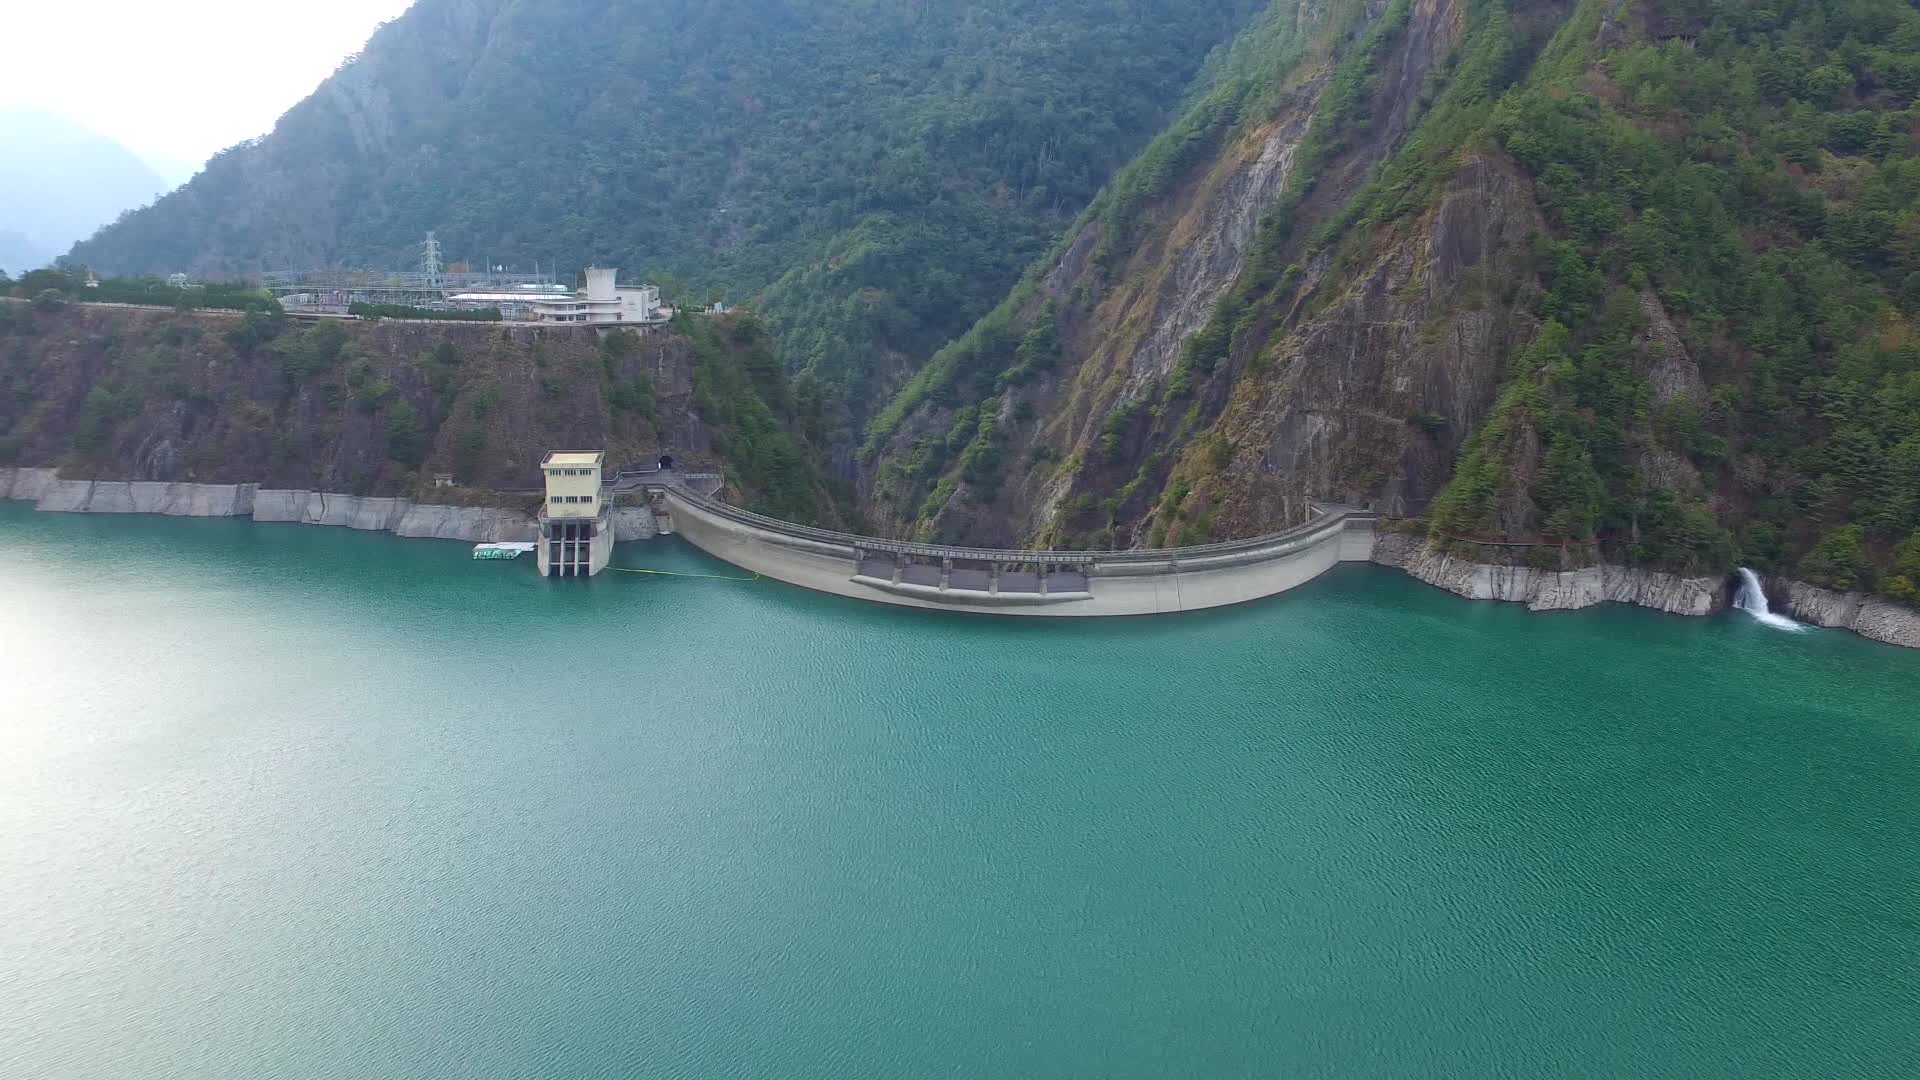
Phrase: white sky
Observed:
(178, 81)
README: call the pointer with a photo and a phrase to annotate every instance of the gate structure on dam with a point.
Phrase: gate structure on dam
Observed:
(1004, 581)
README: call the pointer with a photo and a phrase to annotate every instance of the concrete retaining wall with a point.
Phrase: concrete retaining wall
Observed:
(142, 497)
(1545, 590)
(1868, 616)
(26, 484)
(474, 524)
(1128, 590)
(1550, 590)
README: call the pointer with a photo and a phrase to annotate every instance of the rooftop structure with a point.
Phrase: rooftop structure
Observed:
(571, 459)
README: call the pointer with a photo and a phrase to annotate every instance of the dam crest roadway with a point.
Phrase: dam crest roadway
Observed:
(1002, 581)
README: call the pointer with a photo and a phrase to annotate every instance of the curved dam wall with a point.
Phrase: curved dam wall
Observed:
(1080, 584)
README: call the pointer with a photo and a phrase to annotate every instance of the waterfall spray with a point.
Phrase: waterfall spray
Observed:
(1752, 599)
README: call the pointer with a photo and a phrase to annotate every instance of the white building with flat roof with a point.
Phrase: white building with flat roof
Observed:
(516, 304)
(601, 303)
(576, 525)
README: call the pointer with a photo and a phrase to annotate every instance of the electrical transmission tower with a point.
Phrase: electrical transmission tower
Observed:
(430, 262)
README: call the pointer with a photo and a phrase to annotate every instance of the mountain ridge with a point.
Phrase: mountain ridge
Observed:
(59, 182)
(870, 177)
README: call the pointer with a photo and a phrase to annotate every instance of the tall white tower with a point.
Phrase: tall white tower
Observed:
(600, 283)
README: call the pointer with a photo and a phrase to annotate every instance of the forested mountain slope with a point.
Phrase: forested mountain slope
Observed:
(1616, 280)
(871, 176)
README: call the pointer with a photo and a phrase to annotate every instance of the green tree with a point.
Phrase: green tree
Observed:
(1569, 492)
(1903, 583)
(1839, 561)
(406, 443)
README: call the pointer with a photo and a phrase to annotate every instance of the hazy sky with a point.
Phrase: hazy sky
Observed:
(178, 81)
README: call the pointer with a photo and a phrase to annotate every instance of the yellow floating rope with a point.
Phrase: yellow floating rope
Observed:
(675, 573)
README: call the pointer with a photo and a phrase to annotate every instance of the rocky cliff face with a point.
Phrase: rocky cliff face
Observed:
(1124, 330)
(1360, 382)
(1369, 395)
(182, 404)
(368, 408)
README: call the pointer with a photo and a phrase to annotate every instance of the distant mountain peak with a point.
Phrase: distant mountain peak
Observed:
(60, 180)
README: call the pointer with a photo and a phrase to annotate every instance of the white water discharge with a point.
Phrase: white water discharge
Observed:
(1752, 599)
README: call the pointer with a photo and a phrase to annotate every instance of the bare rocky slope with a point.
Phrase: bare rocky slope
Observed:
(1126, 437)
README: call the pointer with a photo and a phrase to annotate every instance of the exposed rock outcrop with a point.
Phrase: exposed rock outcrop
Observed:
(634, 523)
(1205, 250)
(1868, 616)
(1412, 334)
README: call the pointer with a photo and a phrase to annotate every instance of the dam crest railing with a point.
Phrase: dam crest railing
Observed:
(1326, 515)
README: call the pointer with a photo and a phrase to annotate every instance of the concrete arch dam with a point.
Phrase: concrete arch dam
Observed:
(1005, 582)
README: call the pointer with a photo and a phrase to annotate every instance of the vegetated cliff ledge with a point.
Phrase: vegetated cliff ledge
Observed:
(1675, 594)
(372, 513)
(153, 398)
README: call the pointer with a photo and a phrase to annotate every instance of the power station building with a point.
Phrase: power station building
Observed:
(576, 523)
(519, 297)
(603, 303)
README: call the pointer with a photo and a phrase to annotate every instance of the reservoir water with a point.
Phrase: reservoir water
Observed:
(280, 801)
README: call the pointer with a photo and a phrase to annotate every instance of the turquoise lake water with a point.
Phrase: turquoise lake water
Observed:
(280, 801)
